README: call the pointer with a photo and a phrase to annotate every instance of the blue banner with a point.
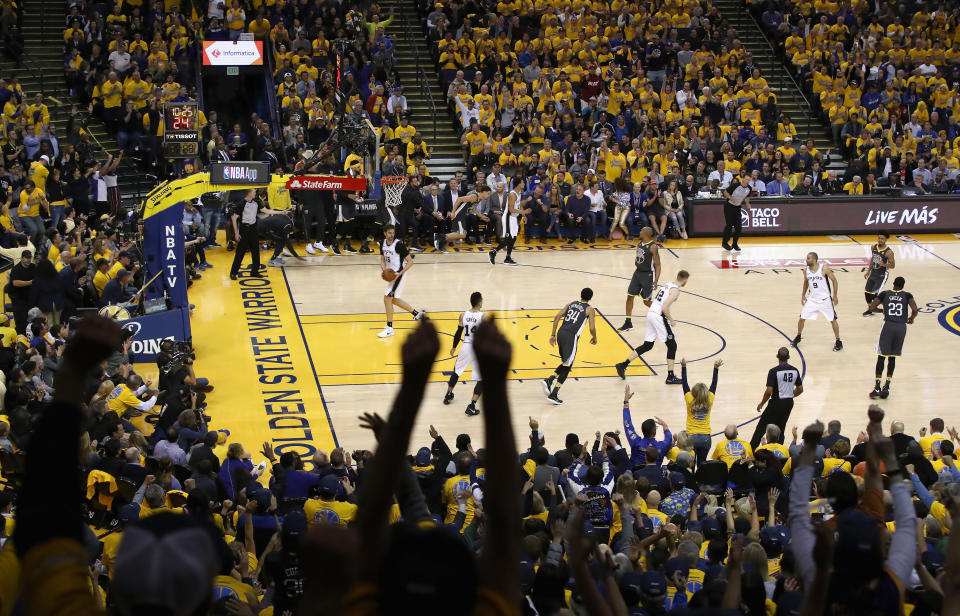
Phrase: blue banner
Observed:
(163, 251)
(150, 330)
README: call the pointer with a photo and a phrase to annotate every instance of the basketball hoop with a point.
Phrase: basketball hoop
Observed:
(392, 186)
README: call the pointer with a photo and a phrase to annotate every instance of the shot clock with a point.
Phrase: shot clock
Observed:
(181, 130)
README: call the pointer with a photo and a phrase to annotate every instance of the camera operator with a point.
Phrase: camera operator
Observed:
(175, 365)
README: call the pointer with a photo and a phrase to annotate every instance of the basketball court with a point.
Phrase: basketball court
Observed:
(296, 358)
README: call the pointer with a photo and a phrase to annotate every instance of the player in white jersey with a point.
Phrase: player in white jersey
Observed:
(819, 296)
(460, 216)
(660, 327)
(469, 322)
(395, 256)
(511, 223)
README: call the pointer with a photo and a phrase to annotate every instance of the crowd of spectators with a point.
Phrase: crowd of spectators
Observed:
(626, 522)
(884, 76)
(124, 62)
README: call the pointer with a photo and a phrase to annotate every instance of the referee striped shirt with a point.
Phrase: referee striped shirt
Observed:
(739, 194)
(783, 378)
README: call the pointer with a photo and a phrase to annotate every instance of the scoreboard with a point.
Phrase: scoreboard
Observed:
(181, 129)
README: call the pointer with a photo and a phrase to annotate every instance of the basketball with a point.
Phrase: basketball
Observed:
(389, 275)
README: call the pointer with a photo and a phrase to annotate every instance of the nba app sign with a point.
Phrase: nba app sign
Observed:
(760, 217)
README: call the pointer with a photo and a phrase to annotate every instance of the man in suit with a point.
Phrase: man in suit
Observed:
(410, 213)
(133, 470)
(490, 212)
(438, 207)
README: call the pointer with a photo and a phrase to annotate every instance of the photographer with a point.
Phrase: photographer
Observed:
(175, 364)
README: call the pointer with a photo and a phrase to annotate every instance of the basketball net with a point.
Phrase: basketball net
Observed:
(393, 186)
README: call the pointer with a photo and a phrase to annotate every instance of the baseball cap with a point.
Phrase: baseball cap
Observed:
(590, 171)
(677, 565)
(677, 479)
(788, 138)
(294, 524)
(166, 561)
(710, 527)
(123, 253)
(771, 537)
(630, 587)
(262, 496)
(330, 485)
(123, 273)
(423, 457)
(129, 513)
(653, 584)
(45, 158)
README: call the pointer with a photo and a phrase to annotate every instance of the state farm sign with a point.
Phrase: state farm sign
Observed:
(326, 182)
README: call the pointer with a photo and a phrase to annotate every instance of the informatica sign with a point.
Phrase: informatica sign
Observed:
(232, 53)
(833, 215)
(253, 173)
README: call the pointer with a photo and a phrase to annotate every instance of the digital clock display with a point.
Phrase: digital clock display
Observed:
(181, 129)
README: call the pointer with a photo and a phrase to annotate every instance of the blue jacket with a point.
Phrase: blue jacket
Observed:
(638, 444)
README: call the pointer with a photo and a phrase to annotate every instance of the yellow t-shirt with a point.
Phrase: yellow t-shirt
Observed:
(698, 422)
(834, 465)
(927, 443)
(456, 487)
(30, 202)
(475, 141)
(39, 173)
(100, 280)
(731, 451)
(122, 398)
(777, 449)
(330, 512)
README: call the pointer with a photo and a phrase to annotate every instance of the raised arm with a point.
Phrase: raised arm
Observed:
(632, 437)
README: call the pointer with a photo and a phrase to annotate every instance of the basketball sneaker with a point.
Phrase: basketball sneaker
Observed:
(838, 346)
(736, 247)
(421, 314)
(622, 370)
(278, 262)
(876, 393)
(553, 399)
(286, 253)
(349, 249)
(885, 392)
(627, 326)
(673, 379)
(868, 313)
(336, 248)
(493, 257)
(726, 246)
(472, 409)
(795, 341)
(319, 246)
(386, 333)
(547, 385)
(310, 250)
(509, 261)
(448, 397)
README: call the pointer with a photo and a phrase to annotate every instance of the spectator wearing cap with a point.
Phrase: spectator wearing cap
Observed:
(118, 290)
(639, 443)
(676, 573)
(327, 508)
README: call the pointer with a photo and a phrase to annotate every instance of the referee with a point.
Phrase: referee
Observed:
(737, 198)
(244, 215)
(783, 385)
